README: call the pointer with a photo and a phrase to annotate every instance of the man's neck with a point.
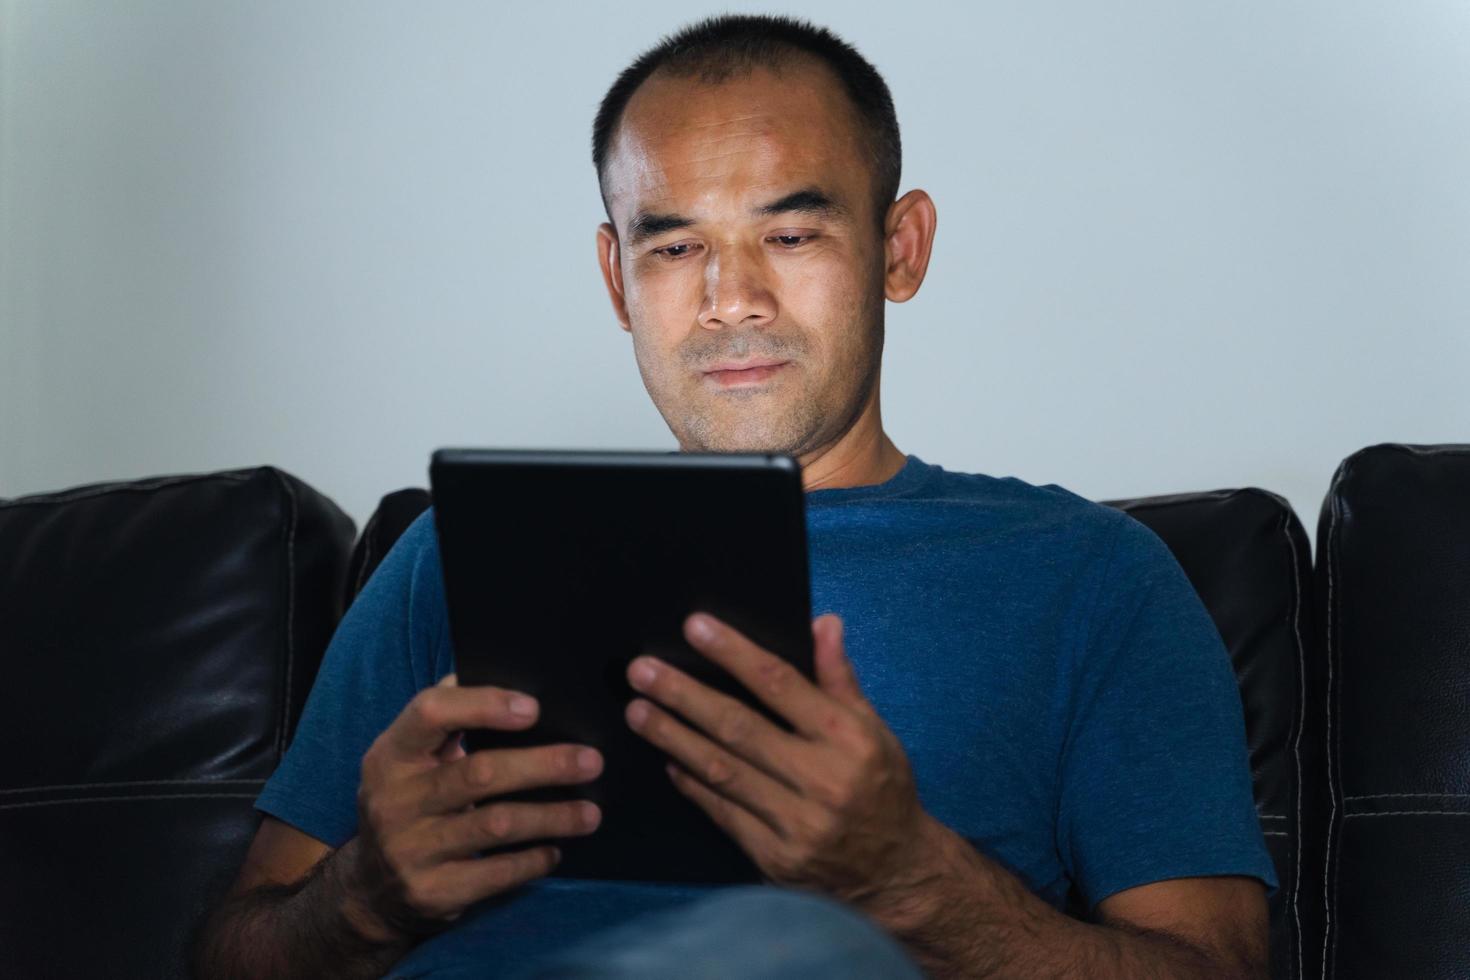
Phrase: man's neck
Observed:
(863, 456)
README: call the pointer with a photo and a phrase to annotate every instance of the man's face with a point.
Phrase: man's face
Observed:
(750, 258)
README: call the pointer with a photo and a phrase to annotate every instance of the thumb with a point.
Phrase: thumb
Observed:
(834, 670)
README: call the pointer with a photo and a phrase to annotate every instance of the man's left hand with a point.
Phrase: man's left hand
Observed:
(829, 806)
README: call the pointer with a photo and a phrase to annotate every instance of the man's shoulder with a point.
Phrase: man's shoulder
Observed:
(1034, 507)
(409, 569)
(1056, 527)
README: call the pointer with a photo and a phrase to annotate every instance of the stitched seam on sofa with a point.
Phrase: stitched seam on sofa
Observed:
(128, 799)
(1300, 723)
(1341, 720)
(1410, 813)
(132, 782)
(1333, 750)
(67, 496)
(285, 714)
(1335, 683)
(1442, 803)
(367, 550)
(1416, 796)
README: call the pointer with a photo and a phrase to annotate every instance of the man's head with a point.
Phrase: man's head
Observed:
(749, 167)
(725, 48)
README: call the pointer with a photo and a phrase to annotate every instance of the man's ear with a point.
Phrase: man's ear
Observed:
(612, 270)
(908, 238)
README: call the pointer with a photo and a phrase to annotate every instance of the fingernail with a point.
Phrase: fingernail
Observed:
(591, 815)
(588, 760)
(637, 713)
(641, 673)
(700, 628)
(523, 706)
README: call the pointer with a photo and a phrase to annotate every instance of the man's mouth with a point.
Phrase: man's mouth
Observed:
(739, 374)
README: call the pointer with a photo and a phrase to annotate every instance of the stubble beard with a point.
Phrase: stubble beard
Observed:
(758, 420)
(788, 426)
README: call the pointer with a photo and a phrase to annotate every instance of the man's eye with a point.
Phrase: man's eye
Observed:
(790, 241)
(674, 251)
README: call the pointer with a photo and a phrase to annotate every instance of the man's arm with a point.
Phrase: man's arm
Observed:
(289, 914)
(831, 806)
(300, 910)
(964, 915)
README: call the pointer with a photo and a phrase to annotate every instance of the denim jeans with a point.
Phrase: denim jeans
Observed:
(737, 933)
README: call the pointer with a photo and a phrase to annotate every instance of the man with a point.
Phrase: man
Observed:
(1024, 705)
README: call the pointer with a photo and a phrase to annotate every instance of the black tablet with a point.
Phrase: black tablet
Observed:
(561, 567)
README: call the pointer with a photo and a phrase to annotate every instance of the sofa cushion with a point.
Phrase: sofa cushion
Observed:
(1393, 584)
(158, 640)
(396, 511)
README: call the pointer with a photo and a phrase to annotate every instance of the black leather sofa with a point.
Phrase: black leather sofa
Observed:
(159, 637)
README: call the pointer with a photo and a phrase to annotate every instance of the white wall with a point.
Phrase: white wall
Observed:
(1181, 246)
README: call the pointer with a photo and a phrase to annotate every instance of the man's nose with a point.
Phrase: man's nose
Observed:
(736, 292)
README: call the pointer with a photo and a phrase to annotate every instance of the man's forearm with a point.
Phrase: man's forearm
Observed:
(964, 915)
(307, 929)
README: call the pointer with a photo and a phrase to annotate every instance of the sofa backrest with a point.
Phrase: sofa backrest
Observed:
(1393, 590)
(158, 639)
(396, 511)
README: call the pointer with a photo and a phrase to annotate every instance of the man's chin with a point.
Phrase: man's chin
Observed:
(771, 423)
(743, 439)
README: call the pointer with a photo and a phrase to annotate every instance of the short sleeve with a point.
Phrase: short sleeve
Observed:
(390, 645)
(1155, 774)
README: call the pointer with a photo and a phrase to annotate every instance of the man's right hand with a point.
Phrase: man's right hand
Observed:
(414, 866)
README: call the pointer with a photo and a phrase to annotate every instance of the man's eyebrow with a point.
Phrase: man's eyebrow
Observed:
(808, 200)
(646, 225)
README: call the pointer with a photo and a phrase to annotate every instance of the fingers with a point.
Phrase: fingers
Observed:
(498, 824)
(753, 835)
(730, 723)
(779, 685)
(727, 774)
(438, 711)
(494, 772)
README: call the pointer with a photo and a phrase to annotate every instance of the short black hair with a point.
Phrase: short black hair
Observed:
(719, 48)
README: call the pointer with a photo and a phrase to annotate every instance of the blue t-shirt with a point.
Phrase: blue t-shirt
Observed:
(1065, 700)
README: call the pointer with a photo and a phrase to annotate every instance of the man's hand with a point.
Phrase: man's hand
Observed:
(414, 865)
(830, 806)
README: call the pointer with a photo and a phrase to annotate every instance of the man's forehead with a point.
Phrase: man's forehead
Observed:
(688, 145)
